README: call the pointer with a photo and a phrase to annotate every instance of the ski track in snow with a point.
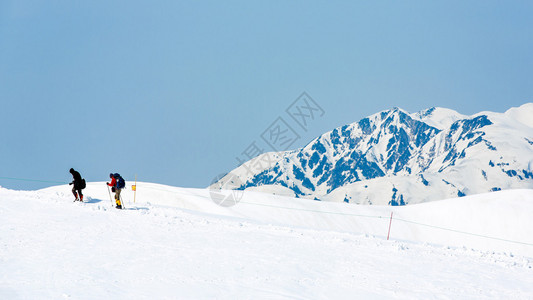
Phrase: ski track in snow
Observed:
(52, 248)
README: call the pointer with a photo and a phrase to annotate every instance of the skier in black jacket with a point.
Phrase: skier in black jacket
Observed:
(78, 184)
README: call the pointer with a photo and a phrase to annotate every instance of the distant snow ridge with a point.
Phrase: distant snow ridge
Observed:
(394, 157)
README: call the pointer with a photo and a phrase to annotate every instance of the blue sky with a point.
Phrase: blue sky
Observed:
(174, 91)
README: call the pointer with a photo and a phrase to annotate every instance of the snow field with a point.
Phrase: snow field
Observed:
(176, 244)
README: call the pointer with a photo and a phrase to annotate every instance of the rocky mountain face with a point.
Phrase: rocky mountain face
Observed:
(395, 158)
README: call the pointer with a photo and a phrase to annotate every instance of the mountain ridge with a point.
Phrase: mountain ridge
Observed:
(432, 154)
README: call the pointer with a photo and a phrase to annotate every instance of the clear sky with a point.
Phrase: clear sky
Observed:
(174, 91)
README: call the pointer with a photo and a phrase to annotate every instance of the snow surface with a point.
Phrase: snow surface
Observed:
(175, 243)
(438, 117)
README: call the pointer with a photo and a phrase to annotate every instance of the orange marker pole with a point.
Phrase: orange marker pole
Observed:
(390, 223)
(135, 189)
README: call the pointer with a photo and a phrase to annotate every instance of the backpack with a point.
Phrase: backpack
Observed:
(120, 181)
(83, 184)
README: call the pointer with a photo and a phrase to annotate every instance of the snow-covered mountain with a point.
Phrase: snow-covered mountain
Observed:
(395, 157)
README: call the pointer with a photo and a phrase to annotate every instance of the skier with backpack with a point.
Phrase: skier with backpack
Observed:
(79, 184)
(117, 184)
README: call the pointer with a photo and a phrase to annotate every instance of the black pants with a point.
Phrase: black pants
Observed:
(74, 189)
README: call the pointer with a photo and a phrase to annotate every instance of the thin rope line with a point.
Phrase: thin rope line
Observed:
(463, 232)
(317, 211)
(364, 216)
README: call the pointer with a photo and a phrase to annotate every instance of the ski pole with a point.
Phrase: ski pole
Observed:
(111, 199)
(122, 202)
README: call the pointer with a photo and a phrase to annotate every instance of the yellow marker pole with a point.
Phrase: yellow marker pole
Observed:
(134, 189)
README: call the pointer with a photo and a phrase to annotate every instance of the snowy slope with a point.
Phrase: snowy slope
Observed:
(177, 243)
(418, 157)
